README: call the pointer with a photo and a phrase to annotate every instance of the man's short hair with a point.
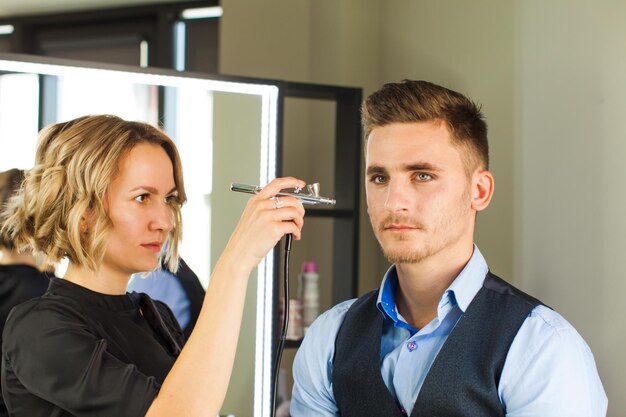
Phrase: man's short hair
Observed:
(421, 101)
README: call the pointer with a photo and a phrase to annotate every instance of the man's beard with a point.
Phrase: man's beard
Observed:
(406, 256)
(410, 255)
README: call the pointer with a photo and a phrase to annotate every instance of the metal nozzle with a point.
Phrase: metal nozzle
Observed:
(311, 198)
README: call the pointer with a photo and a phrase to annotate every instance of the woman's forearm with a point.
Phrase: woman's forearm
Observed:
(197, 383)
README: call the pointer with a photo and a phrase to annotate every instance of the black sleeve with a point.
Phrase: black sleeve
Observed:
(55, 355)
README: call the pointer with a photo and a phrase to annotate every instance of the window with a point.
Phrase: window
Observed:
(19, 96)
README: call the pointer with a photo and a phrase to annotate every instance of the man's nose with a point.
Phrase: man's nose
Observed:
(398, 197)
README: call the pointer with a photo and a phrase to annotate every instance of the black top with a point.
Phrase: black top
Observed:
(464, 377)
(75, 352)
(18, 283)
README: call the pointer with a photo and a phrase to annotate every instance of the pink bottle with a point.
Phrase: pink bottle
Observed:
(309, 293)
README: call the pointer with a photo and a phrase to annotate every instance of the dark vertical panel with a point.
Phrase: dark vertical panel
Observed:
(345, 262)
(162, 41)
(347, 187)
(5, 43)
(202, 47)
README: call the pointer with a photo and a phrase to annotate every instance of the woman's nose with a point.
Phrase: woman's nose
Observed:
(162, 217)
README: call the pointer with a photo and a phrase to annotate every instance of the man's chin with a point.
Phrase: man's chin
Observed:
(404, 257)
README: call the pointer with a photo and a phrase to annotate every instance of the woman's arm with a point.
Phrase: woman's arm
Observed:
(197, 383)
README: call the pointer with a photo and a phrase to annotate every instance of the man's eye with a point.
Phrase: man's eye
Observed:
(424, 177)
(379, 179)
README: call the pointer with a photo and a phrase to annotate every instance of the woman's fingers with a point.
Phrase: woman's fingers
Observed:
(266, 219)
(291, 211)
(274, 187)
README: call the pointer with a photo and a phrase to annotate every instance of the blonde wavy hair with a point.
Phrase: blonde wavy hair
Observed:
(75, 163)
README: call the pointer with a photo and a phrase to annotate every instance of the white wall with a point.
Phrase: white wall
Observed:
(571, 147)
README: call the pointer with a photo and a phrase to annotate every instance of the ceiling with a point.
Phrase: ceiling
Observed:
(32, 7)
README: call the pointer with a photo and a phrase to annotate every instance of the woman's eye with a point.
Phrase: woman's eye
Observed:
(171, 199)
(141, 198)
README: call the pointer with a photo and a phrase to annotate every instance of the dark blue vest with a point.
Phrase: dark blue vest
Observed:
(462, 381)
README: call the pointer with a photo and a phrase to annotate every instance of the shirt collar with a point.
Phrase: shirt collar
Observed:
(462, 290)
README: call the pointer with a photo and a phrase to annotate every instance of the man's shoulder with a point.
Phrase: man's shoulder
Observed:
(548, 321)
(320, 336)
(334, 316)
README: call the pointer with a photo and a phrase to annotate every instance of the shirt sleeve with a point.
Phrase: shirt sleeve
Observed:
(312, 394)
(550, 371)
(55, 355)
(164, 286)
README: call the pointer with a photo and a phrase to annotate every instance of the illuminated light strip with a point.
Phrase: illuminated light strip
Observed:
(179, 38)
(143, 54)
(265, 284)
(6, 29)
(202, 13)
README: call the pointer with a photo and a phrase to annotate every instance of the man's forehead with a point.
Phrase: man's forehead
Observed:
(403, 147)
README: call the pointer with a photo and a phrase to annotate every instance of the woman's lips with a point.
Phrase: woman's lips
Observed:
(153, 246)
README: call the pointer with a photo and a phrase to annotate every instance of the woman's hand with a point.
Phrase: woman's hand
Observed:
(264, 221)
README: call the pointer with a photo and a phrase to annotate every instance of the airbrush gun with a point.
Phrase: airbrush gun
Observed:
(311, 196)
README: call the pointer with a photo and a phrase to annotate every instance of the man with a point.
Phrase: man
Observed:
(442, 336)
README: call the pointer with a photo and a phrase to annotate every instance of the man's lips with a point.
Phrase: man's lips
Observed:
(153, 246)
(395, 227)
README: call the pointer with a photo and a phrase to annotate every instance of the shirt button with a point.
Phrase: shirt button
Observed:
(411, 346)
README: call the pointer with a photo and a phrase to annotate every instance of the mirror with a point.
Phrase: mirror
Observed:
(226, 132)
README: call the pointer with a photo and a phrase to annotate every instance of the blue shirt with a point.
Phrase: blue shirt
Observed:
(162, 285)
(549, 370)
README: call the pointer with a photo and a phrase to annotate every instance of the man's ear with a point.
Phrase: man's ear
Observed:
(482, 189)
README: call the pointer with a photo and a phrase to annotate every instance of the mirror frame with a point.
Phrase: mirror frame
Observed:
(269, 93)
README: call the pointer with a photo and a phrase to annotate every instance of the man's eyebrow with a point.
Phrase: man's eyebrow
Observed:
(420, 166)
(375, 169)
(417, 166)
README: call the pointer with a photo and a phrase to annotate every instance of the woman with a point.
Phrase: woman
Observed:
(106, 194)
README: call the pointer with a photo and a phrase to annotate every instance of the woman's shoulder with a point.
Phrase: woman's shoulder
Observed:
(40, 314)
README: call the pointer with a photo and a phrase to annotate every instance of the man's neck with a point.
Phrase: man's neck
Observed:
(421, 285)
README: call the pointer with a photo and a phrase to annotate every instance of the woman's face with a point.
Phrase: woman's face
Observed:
(139, 204)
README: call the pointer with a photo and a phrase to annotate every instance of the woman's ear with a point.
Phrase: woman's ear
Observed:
(482, 189)
(86, 220)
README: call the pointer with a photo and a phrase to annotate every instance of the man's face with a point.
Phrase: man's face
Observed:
(418, 192)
